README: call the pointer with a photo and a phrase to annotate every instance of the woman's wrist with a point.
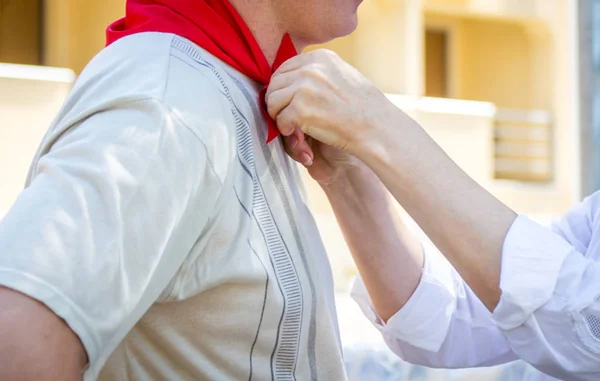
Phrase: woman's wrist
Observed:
(349, 180)
(387, 142)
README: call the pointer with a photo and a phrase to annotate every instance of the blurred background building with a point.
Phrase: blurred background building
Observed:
(509, 88)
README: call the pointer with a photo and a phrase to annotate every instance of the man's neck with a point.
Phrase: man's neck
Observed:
(264, 24)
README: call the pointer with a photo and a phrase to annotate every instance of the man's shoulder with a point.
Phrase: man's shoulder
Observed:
(148, 65)
(197, 86)
(134, 66)
(157, 66)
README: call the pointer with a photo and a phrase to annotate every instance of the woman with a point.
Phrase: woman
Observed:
(510, 289)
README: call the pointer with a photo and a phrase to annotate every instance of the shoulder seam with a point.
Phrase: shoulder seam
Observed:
(168, 69)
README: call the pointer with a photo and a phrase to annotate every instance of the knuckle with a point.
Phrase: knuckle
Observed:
(271, 106)
(308, 129)
(314, 72)
(328, 55)
(324, 52)
(307, 71)
(317, 72)
(296, 114)
(307, 92)
(316, 53)
(308, 86)
(286, 121)
(303, 114)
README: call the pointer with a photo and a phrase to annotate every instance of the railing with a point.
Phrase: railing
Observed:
(523, 145)
(515, 144)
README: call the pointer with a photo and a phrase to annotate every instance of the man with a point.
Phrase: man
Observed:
(511, 288)
(160, 237)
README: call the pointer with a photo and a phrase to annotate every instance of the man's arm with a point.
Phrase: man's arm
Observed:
(41, 345)
(101, 231)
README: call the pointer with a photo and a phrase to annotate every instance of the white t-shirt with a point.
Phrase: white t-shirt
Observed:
(164, 230)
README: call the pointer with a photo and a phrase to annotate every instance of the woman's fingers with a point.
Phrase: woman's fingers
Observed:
(277, 102)
(298, 148)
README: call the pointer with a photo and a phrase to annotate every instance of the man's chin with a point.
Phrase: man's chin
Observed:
(349, 27)
(342, 29)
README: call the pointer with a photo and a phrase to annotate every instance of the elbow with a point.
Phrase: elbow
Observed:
(35, 344)
(426, 359)
(418, 356)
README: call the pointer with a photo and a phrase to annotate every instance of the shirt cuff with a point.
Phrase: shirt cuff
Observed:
(532, 257)
(424, 320)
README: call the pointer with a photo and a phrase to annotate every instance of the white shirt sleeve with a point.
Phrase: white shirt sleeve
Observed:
(550, 304)
(548, 315)
(110, 214)
(443, 325)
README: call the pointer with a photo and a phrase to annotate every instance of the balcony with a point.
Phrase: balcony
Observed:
(523, 145)
(489, 143)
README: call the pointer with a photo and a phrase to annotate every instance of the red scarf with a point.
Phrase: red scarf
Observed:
(214, 25)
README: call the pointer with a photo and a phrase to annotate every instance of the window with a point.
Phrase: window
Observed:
(20, 31)
(436, 63)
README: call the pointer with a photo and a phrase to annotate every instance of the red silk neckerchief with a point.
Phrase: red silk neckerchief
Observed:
(215, 26)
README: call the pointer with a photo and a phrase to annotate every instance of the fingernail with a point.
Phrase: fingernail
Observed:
(294, 141)
(306, 159)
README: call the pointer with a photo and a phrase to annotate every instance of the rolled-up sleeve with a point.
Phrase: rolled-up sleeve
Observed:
(550, 304)
(548, 314)
(443, 325)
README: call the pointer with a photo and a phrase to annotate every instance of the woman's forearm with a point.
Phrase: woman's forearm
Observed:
(388, 256)
(467, 223)
(333, 103)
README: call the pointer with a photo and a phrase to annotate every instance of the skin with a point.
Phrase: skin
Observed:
(308, 22)
(35, 344)
(320, 95)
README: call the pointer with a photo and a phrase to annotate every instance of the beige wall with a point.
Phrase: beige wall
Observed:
(496, 64)
(383, 45)
(506, 9)
(27, 108)
(75, 30)
(504, 62)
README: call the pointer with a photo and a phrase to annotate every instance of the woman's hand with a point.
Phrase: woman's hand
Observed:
(324, 163)
(319, 94)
